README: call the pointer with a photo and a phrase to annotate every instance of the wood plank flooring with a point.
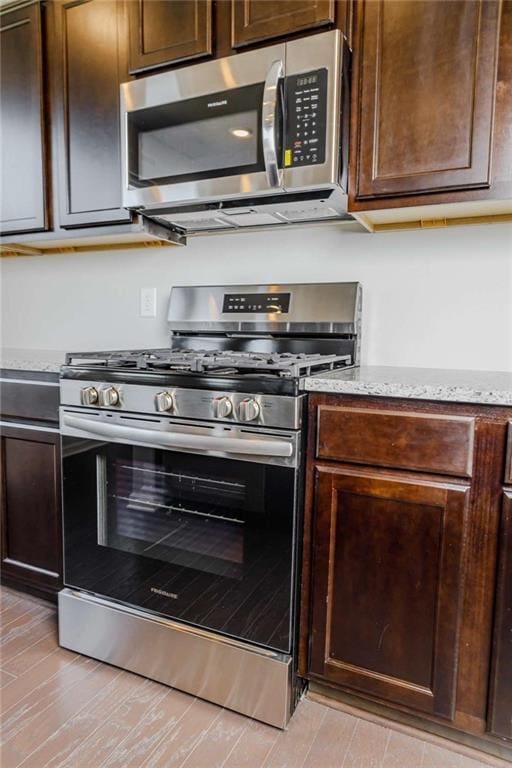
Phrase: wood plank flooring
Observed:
(63, 710)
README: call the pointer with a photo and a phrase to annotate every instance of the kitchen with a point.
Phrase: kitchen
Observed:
(419, 427)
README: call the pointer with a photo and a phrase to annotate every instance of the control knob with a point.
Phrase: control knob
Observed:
(108, 396)
(248, 409)
(164, 401)
(88, 395)
(223, 407)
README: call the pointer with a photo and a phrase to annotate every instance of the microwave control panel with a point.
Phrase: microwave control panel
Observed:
(306, 110)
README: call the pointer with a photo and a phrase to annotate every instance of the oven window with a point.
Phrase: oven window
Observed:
(209, 136)
(185, 518)
(205, 540)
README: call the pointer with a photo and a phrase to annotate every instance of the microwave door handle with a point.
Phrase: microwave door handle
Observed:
(249, 446)
(268, 123)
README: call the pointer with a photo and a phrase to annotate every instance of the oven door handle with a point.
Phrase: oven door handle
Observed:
(268, 123)
(248, 446)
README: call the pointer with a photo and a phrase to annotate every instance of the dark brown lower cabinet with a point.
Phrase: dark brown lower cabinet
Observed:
(500, 710)
(406, 603)
(386, 580)
(30, 509)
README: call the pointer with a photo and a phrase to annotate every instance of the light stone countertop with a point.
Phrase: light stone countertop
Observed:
(41, 360)
(485, 387)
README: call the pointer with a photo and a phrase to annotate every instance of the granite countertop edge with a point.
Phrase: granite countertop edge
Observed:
(35, 366)
(465, 392)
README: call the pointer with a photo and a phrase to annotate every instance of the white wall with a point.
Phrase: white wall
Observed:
(437, 298)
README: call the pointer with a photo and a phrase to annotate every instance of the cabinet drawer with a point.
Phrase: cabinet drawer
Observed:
(508, 463)
(423, 442)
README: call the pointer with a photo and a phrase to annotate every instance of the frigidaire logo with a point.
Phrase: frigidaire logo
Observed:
(217, 103)
(164, 593)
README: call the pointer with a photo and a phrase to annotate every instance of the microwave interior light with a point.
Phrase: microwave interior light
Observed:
(240, 133)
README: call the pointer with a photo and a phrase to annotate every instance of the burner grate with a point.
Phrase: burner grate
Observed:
(219, 362)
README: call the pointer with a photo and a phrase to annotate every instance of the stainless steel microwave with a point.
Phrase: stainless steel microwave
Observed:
(254, 138)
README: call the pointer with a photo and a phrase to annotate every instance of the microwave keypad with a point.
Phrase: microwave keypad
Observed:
(306, 102)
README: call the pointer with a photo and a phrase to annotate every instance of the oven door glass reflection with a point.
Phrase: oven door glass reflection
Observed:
(205, 540)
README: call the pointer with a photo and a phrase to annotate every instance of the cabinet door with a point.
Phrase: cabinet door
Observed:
(424, 96)
(23, 199)
(167, 31)
(500, 720)
(386, 586)
(256, 20)
(31, 529)
(90, 63)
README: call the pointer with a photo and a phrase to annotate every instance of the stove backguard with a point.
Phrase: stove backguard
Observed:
(307, 318)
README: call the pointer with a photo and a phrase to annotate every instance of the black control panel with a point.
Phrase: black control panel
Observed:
(306, 110)
(256, 302)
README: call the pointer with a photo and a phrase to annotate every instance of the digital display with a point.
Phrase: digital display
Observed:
(308, 80)
(265, 303)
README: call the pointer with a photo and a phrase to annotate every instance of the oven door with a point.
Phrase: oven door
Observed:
(192, 522)
(207, 132)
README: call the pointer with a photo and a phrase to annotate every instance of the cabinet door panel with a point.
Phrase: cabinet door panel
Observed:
(167, 31)
(500, 720)
(31, 532)
(91, 64)
(23, 199)
(255, 20)
(386, 586)
(427, 80)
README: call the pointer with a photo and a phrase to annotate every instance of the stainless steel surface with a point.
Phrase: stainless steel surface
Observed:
(316, 52)
(223, 407)
(315, 308)
(101, 500)
(164, 402)
(325, 50)
(274, 447)
(251, 214)
(89, 396)
(248, 409)
(235, 675)
(280, 411)
(212, 77)
(108, 396)
(269, 124)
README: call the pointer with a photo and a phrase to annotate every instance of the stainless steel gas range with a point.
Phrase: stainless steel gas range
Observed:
(182, 489)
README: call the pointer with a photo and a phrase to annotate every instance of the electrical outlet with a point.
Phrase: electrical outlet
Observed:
(148, 302)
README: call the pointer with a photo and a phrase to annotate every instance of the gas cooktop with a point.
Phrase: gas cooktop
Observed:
(212, 362)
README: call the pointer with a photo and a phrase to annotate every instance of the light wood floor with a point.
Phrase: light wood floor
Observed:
(62, 709)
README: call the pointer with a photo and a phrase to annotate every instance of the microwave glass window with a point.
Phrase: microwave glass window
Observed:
(228, 141)
(201, 138)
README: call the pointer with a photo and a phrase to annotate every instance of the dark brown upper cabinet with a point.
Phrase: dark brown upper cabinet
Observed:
(164, 32)
(23, 200)
(386, 585)
(89, 51)
(500, 719)
(424, 93)
(257, 20)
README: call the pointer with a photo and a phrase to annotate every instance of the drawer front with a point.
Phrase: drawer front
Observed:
(508, 464)
(423, 442)
(30, 400)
